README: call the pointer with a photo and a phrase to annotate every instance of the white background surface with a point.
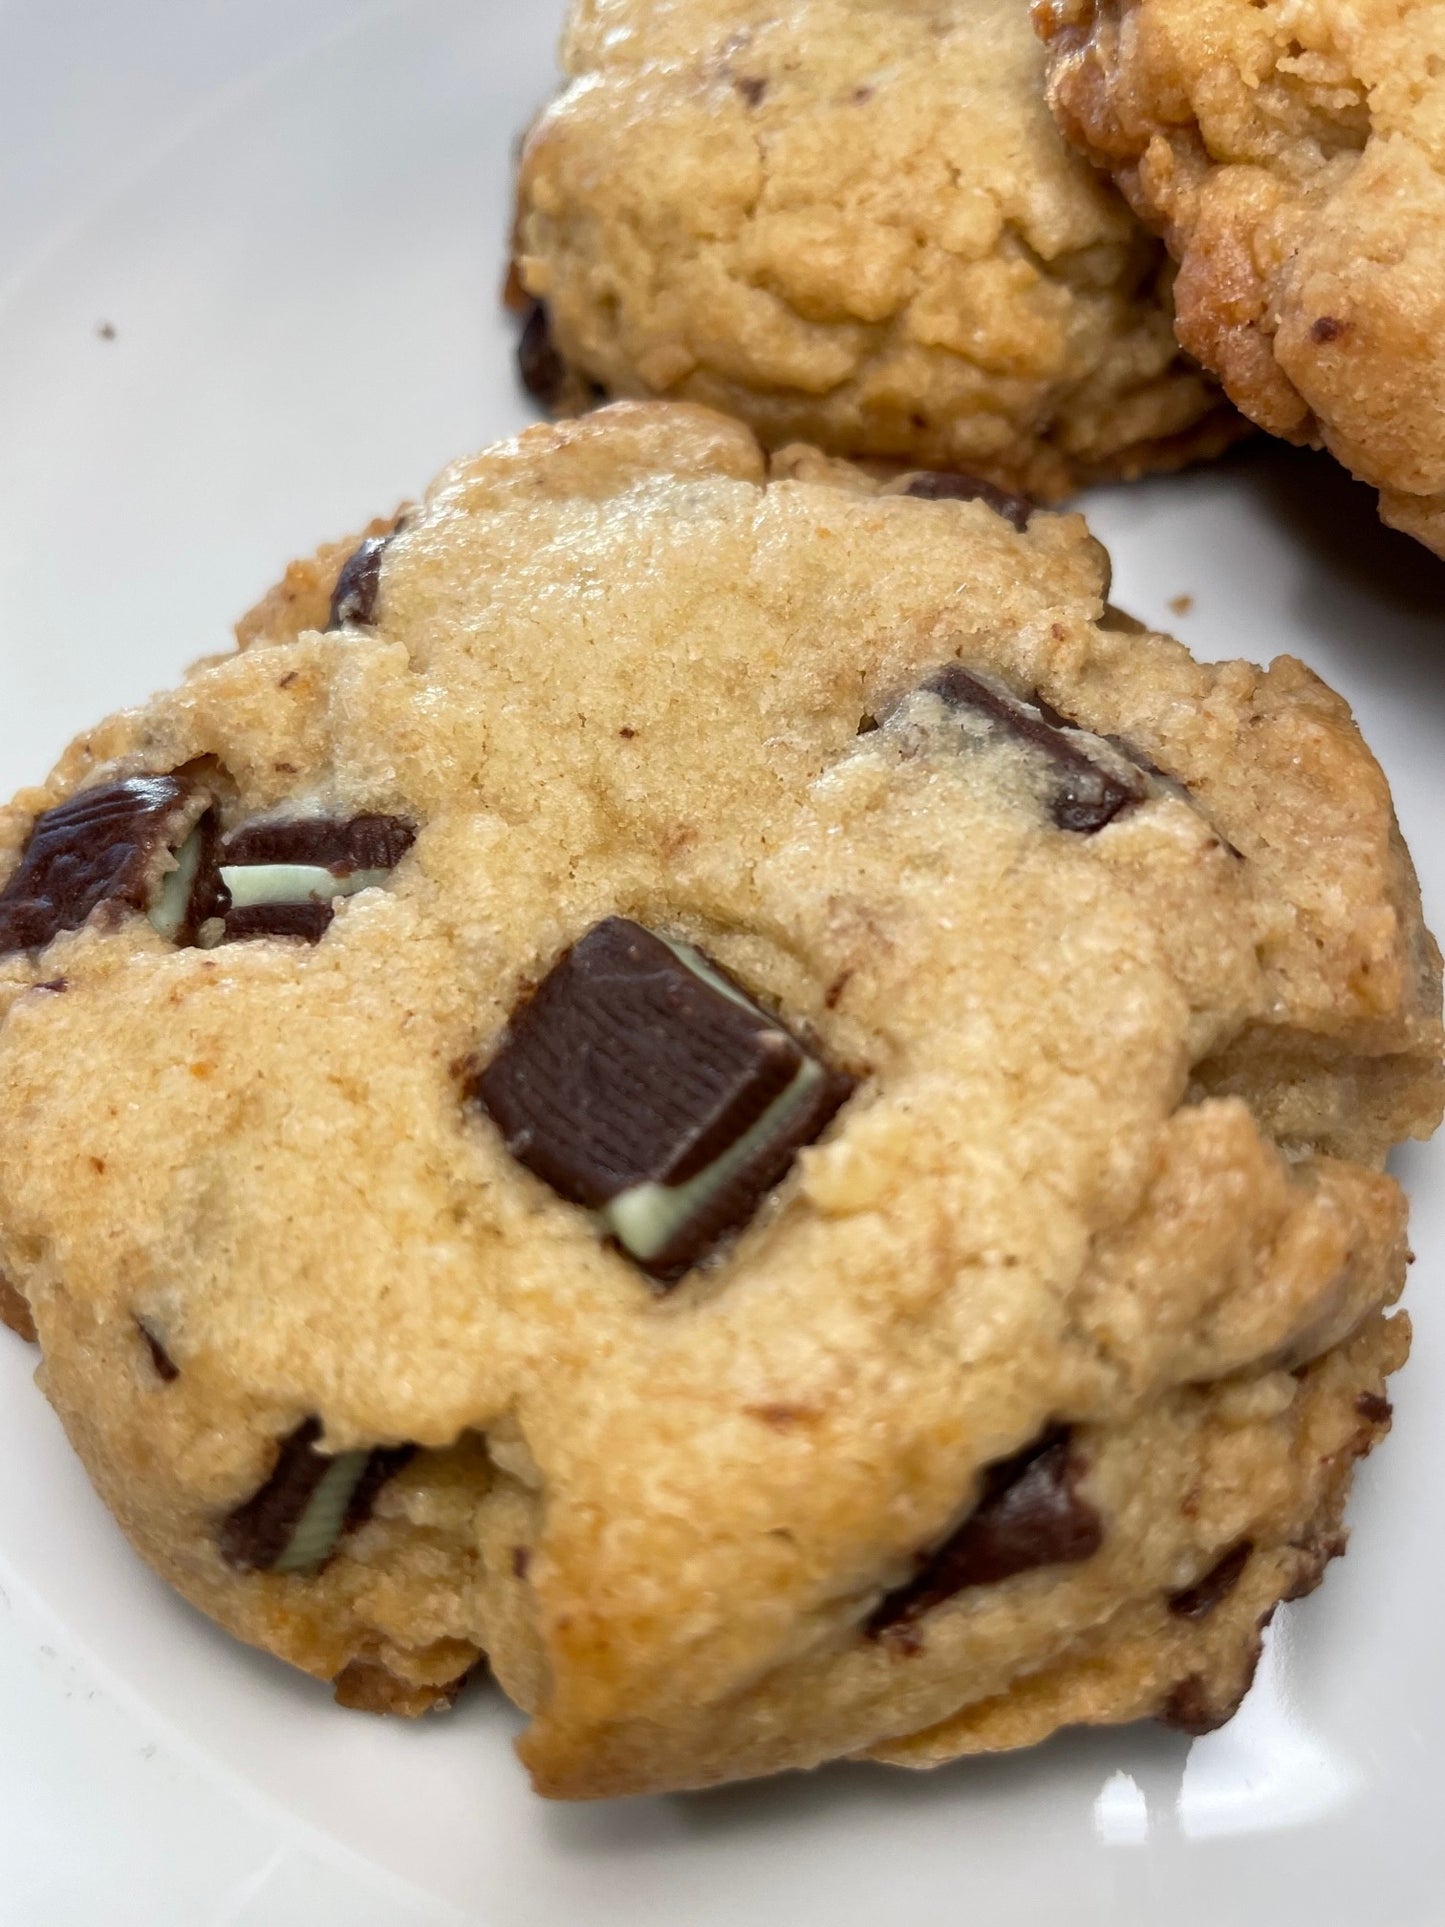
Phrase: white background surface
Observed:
(292, 215)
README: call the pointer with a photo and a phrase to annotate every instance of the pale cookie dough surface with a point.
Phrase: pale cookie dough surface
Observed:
(1292, 152)
(1094, 1188)
(852, 223)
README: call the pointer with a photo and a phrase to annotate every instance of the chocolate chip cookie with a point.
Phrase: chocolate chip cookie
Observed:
(852, 224)
(710, 1080)
(1292, 158)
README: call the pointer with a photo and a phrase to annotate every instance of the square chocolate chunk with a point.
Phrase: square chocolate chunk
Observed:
(113, 844)
(642, 1082)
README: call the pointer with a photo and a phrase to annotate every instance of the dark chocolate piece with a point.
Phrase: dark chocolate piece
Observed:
(353, 600)
(281, 878)
(1190, 1708)
(341, 845)
(542, 369)
(1200, 1599)
(15, 1311)
(1131, 752)
(1086, 795)
(642, 1082)
(307, 921)
(942, 485)
(752, 88)
(1377, 1410)
(106, 845)
(308, 1504)
(165, 1365)
(1030, 1513)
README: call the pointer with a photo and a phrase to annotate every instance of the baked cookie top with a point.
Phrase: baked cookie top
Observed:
(1293, 156)
(985, 940)
(851, 223)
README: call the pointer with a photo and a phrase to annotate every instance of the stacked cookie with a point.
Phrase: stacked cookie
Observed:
(856, 223)
(696, 1074)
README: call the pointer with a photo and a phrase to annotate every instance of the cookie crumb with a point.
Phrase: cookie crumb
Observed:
(1181, 605)
(105, 330)
(15, 1311)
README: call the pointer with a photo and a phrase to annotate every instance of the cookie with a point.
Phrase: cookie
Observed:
(747, 1104)
(850, 224)
(1292, 158)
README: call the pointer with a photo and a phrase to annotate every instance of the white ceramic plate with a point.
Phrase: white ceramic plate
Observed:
(291, 214)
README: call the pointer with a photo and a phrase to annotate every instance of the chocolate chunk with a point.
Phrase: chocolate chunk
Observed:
(521, 1561)
(307, 1505)
(353, 600)
(308, 922)
(1030, 1513)
(15, 1311)
(165, 1365)
(752, 88)
(941, 485)
(125, 844)
(1087, 796)
(1326, 329)
(1190, 1707)
(342, 845)
(1200, 1599)
(642, 1082)
(1159, 779)
(543, 371)
(1377, 1410)
(281, 878)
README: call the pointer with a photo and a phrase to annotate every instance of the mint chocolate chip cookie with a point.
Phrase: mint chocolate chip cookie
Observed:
(1292, 159)
(852, 224)
(704, 1077)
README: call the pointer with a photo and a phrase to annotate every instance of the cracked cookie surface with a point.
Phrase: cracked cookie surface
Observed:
(1293, 155)
(1038, 1006)
(852, 224)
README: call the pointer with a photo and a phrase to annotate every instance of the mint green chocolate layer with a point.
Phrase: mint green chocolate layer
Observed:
(281, 878)
(312, 1499)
